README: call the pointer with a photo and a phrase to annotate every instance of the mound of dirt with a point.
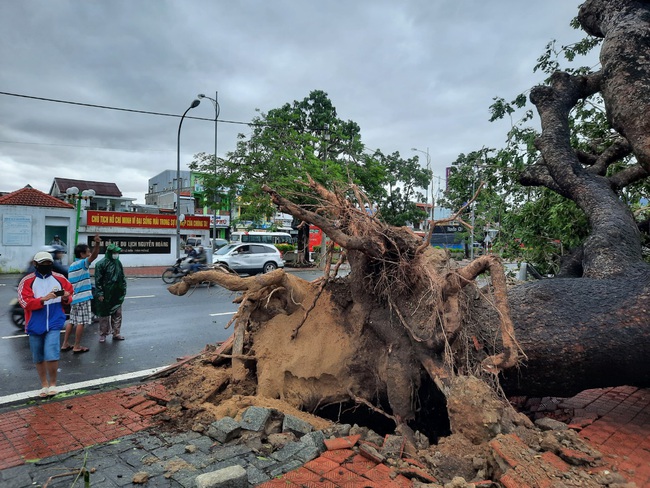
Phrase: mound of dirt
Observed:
(201, 394)
(490, 440)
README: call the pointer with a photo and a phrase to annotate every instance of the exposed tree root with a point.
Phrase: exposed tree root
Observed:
(366, 336)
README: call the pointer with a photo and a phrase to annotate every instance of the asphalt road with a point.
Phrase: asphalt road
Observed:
(159, 328)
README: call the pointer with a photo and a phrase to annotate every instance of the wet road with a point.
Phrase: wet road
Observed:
(159, 328)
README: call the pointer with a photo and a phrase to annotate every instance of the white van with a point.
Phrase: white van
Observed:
(261, 237)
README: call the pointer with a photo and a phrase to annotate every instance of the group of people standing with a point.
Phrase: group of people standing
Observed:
(44, 292)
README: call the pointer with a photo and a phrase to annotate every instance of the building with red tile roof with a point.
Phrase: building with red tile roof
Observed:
(31, 197)
(30, 220)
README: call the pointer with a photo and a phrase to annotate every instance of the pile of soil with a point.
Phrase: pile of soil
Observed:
(484, 428)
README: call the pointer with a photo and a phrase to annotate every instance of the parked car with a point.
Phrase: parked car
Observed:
(249, 258)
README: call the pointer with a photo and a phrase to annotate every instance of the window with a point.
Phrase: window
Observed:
(260, 249)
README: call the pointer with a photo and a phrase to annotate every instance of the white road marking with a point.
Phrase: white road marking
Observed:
(21, 335)
(16, 397)
(222, 313)
(140, 296)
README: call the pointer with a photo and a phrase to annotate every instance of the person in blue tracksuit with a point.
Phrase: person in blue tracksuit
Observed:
(42, 294)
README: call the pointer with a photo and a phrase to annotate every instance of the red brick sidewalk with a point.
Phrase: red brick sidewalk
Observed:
(57, 427)
(616, 421)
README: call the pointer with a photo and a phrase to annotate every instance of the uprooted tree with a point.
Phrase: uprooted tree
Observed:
(406, 321)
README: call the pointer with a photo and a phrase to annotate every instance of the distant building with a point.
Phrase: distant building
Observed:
(162, 190)
(107, 195)
(146, 234)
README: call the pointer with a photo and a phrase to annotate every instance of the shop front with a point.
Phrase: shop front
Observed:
(145, 239)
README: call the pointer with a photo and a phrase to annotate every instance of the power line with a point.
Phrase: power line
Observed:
(146, 112)
(120, 109)
(87, 147)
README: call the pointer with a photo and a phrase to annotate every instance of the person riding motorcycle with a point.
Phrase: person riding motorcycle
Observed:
(200, 260)
(192, 261)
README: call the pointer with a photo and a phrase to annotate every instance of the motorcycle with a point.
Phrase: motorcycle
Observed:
(182, 267)
(17, 313)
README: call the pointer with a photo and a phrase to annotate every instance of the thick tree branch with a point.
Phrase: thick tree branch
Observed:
(538, 175)
(614, 245)
(628, 176)
(612, 154)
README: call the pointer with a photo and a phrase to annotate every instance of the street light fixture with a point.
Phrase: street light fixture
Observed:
(73, 195)
(217, 110)
(431, 182)
(195, 103)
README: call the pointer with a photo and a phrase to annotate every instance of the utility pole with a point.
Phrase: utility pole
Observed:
(429, 191)
(217, 109)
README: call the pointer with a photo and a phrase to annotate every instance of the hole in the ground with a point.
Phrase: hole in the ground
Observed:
(353, 413)
(431, 418)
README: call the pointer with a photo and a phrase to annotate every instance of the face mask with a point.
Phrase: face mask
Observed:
(116, 256)
(44, 269)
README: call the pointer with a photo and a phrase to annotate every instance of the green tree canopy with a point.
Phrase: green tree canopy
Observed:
(307, 137)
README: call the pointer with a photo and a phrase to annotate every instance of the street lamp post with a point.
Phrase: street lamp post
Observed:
(217, 110)
(430, 183)
(195, 103)
(73, 194)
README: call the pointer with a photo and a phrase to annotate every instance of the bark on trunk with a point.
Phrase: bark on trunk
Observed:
(578, 334)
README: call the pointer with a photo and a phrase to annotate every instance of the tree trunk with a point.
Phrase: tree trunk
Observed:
(578, 334)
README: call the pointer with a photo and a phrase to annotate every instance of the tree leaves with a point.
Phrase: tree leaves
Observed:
(307, 137)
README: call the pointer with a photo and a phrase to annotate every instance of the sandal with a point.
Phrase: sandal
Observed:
(45, 391)
(66, 348)
(118, 337)
(52, 391)
(102, 338)
(80, 350)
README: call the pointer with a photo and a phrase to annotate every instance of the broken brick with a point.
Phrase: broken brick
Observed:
(371, 451)
(575, 457)
(134, 401)
(342, 442)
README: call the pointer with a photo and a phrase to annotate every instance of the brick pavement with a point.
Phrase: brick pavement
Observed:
(616, 421)
(52, 427)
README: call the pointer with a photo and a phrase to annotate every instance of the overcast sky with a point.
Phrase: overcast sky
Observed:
(411, 73)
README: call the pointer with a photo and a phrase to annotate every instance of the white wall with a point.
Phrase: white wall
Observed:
(15, 258)
(18, 244)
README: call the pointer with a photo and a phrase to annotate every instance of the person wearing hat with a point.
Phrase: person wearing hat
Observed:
(42, 294)
(110, 290)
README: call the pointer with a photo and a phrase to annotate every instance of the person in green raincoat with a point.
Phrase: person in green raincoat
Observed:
(110, 290)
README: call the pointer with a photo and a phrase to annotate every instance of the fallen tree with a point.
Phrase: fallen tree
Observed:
(407, 323)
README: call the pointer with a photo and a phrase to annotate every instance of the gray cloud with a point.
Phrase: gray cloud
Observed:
(411, 73)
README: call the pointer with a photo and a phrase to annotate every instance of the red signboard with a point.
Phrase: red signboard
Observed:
(141, 220)
(315, 238)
